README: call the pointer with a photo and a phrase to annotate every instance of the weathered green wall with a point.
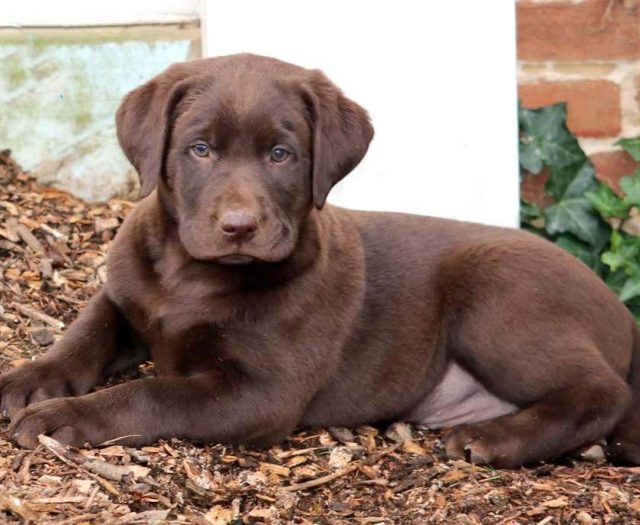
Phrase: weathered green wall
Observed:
(59, 90)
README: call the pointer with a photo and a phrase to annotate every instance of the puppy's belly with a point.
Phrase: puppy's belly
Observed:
(458, 398)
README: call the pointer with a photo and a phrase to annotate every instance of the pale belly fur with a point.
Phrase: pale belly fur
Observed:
(458, 398)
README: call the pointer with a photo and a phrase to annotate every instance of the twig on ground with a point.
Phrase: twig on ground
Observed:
(39, 316)
(91, 466)
(342, 472)
(54, 232)
(320, 481)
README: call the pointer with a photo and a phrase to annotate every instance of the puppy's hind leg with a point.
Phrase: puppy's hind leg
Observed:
(558, 422)
(623, 445)
(567, 393)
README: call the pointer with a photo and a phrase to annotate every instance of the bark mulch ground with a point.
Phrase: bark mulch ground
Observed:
(52, 253)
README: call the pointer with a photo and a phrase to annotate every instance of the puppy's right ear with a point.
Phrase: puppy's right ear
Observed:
(144, 120)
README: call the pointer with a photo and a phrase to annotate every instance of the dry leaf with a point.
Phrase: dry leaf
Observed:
(219, 515)
(413, 448)
(453, 476)
(556, 503)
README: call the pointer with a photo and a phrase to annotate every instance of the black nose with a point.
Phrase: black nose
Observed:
(238, 226)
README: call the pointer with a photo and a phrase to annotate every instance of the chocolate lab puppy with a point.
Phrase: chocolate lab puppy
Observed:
(264, 308)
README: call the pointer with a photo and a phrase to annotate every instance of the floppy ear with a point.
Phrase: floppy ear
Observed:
(144, 119)
(341, 134)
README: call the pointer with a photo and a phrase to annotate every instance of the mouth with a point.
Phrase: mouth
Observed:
(204, 245)
(236, 259)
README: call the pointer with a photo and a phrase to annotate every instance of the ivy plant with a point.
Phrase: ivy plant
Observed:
(586, 217)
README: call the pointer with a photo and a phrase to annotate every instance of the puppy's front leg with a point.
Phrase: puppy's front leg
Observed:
(197, 408)
(97, 343)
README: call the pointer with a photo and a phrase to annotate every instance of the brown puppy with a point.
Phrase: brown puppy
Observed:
(264, 309)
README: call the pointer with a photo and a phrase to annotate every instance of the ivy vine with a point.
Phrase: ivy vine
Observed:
(586, 218)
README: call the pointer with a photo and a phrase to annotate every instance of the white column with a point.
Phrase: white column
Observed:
(439, 79)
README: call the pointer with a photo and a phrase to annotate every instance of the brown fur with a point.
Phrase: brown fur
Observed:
(322, 316)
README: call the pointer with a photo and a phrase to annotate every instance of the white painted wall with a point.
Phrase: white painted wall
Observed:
(439, 79)
(42, 13)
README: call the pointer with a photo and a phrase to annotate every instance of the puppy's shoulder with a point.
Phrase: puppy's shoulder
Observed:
(140, 232)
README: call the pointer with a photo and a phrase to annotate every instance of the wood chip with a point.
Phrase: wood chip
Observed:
(275, 469)
(29, 239)
(11, 234)
(21, 508)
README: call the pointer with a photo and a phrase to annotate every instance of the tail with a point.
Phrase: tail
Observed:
(624, 443)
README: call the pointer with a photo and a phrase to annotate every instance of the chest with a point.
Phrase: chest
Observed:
(194, 319)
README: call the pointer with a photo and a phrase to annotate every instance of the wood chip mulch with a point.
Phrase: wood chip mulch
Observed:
(52, 253)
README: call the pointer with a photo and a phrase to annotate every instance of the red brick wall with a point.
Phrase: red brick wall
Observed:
(587, 54)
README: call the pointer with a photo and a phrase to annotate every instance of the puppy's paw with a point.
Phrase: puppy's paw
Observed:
(64, 419)
(31, 383)
(483, 445)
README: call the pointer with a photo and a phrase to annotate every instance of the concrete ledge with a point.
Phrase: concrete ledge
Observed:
(60, 88)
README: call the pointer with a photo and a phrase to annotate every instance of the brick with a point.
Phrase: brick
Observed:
(593, 106)
(532, 189)
(610, 167)
(613, 165)
(595, 29)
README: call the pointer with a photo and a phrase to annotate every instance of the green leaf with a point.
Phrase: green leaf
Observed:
(614, 260)
(546, 135)
(534, 230)
(559, 179)
(571, 181)
(631, 187)
(580, 250)
(530, 159)
(616, 241)
(633, 304)
(631, 146)
(583, 181)
(623, 254)
(576, 216)
(615, 280)
(529, 211)
(630, 289)
(607, 203)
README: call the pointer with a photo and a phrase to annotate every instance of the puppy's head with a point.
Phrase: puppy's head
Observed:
(241, 148)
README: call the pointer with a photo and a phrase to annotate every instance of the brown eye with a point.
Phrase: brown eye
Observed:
(200, 149)
(279, 154)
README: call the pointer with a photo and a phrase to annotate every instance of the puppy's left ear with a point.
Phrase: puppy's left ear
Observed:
(341, 134)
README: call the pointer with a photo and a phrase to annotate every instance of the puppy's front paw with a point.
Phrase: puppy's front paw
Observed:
(31, 383)
(64, 419)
